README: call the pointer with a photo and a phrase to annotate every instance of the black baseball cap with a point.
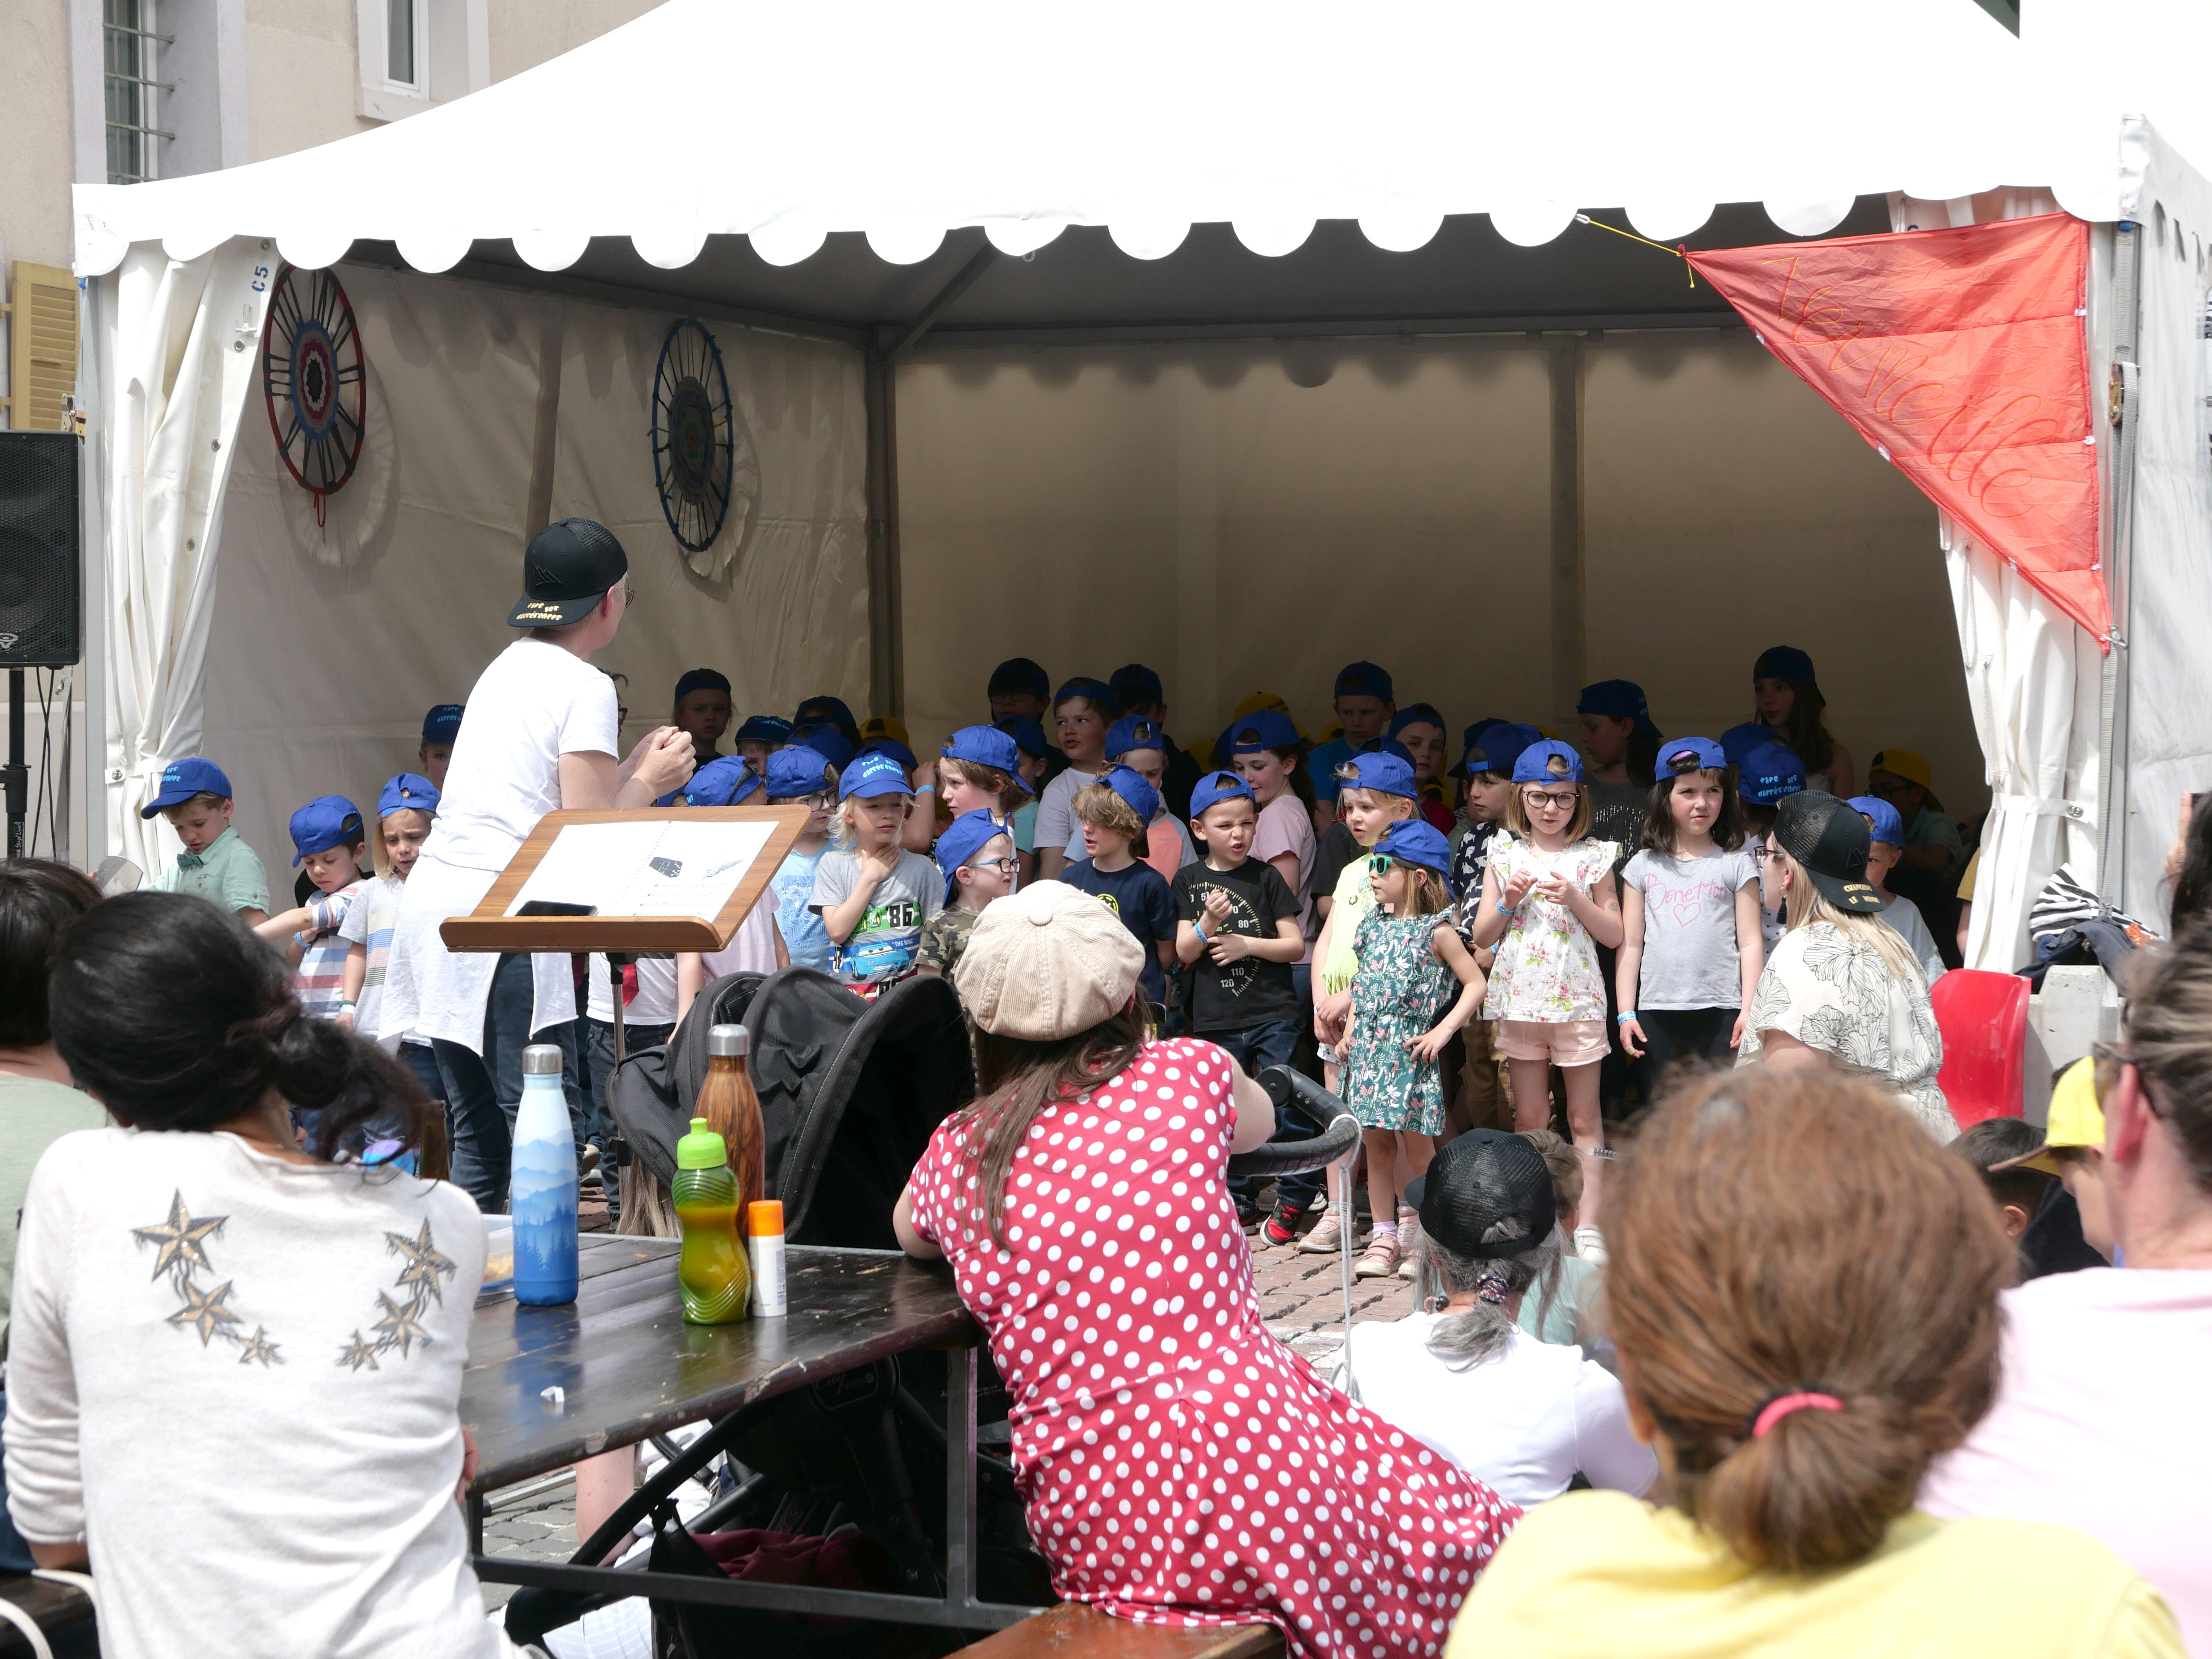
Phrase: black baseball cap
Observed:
(565, 569)
(1486, 1194)
(1831, 839)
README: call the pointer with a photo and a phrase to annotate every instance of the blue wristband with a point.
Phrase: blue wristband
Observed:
(1623, 1019)
(1504, 908)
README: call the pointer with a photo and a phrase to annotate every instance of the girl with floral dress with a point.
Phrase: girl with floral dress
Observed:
(1409, 953)
(1549, 899)
(1178, 1465)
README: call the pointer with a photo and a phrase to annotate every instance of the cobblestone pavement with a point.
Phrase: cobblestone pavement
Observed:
(1301, 1298)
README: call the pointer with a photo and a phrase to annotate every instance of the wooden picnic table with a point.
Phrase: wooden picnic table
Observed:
(626, 1367)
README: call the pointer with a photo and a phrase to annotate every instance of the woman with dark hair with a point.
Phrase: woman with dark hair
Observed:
(38, 1107)
(2189, 864)
(1803, 1289)
(1788, 702)
(1179, 1464)
(234, 1366)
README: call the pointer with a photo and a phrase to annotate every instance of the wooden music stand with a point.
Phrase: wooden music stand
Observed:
(488, 928)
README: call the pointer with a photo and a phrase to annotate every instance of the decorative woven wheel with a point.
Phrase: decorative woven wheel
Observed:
(313, 380)
(694, 435)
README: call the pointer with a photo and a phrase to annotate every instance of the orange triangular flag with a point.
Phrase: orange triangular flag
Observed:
(1960, 355)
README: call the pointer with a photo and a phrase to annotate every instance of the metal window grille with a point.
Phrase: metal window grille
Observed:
(132, 60)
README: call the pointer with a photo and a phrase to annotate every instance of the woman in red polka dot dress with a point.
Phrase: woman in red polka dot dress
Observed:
(1178, 1464)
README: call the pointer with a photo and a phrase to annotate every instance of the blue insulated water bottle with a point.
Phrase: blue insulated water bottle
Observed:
(542, 1192)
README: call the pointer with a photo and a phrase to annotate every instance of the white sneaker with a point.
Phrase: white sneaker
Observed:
(1324, 1237)
(1589, 1244)
(1409, 1243)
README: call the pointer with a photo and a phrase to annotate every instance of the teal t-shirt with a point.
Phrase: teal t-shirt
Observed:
(33, 1115)
(804, 935)
(228, 873)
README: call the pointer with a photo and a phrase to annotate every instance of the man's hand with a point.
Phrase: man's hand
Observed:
(663, 759)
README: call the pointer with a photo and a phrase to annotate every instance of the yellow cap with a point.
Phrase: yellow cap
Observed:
(884, 726)
(1904, 764)
(1546, 732)
(1259, 700)
(2076, 1120)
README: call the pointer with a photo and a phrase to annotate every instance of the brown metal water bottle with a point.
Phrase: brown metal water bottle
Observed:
(731, 1107)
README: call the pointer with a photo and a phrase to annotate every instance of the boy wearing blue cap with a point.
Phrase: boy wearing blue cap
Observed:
(977, 770)
(977, 859)
(1018, 688)
(1139, 695)
(1115, 813)
(216, 864)
(798, 775)
(1621, 740)
(441, 727)
(328, 835)
(1767, 775)
(405, 808)
(1887, 825)
(1137, 742)
(1082, 710)
(830, 711)
(1032, 758)
(761, 736)
(1365, 704)
(701, 712)
(872, 895)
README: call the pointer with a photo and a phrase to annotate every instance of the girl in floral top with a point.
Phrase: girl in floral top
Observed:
(1549, 899)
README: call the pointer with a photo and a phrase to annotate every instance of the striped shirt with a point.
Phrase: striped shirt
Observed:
(320, 981)
(368, 923)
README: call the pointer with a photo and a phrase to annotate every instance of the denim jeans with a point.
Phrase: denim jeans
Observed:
(484, 1091)
(1271, 1043)
(599, 1066)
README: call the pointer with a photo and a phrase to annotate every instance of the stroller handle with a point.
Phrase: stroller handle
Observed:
(1282, 1157)
(1301, 1095)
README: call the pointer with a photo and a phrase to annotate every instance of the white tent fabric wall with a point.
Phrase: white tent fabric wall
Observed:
(330, 642)
(2168, 616)
(178, 364)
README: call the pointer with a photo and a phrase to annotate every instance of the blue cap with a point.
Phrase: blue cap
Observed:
(1419, 714)
(182, 780)
(1884, 821)
(1263, 729)
(1783, 662)
(1383, 775)
(965, 837)
(833, 709)
(1134, 682)
(1416, 841)
(765, 728)
(1768, 773)
(825, 740)
(1738, 741)
(442, 724)
(1692, 755)
(725, 781)
(1364, 679)
(1130, 785)
(1018, 677)
(1133, 731)
(1099, 691)
(873, 775)
(1618, 700)
(1532, 765)
(407, 792)
(1387, 746)
(1218, 787)
(701, 680)
(1472, 738)
(793, 772)
(326, 822)
(892, 746)
(1501, 745)
(992, 745)
(1028, 735)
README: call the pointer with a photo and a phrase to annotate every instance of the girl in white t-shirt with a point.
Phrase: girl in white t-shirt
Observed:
(1081, 713)
(1690, 946)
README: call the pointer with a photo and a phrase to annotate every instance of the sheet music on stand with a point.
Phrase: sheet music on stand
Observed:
(644, 867)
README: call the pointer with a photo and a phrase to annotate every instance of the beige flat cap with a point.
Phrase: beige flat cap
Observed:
(1047, 963)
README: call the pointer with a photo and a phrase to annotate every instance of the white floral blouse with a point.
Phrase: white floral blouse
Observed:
(1834, 994)
(1546, 969)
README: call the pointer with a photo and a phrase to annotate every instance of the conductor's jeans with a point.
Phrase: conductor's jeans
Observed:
(484, 1091)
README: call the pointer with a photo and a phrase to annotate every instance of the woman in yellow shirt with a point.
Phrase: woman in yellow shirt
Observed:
(1803, 1291)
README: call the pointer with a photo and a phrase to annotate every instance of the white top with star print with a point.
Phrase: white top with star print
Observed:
(238, 1379)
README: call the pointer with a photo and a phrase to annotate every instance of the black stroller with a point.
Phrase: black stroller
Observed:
(850, 1094)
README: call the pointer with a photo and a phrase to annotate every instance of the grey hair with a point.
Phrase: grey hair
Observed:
(1484, 1332)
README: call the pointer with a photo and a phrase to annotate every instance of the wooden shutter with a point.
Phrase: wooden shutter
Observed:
(42, 348)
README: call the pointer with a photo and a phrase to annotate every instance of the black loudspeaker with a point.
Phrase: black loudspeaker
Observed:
(41, 588)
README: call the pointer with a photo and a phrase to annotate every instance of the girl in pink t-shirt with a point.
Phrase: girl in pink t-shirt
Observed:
(1270, 757)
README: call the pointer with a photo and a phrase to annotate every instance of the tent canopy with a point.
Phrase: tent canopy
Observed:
(902, 124)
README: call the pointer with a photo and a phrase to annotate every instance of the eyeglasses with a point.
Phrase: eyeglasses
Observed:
(1773, 855)
(815, 803)
(629, 593)
(1007, 867)
(1543, 798)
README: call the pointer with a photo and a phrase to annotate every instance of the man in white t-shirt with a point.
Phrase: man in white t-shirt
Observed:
(541, 734)
(2099, 1424)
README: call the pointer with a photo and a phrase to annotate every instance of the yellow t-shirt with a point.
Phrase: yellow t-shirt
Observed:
(1966, 881)
(1353, 898)
(1601, 1574)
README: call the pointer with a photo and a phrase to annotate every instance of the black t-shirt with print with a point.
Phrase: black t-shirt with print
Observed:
(1140, 895)
(1250, 992)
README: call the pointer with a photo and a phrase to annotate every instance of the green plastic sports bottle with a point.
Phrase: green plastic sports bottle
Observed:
(711, 1272)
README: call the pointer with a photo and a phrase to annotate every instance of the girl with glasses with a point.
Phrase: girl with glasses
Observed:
(1549, 899)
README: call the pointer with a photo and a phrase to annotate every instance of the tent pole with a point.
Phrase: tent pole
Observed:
(886, 644)
(92, 563)
(2119, 586)
(545, 439)
(1563, 355)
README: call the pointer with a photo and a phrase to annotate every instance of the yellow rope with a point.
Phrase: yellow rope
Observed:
(1681, 252)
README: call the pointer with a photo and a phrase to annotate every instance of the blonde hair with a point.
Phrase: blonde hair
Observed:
(1098, 804)
(1807, 904)
(1002, 786)
(1349, 776)
(377, 856)
(1516, 814)
(1426, 893)
(844, 835)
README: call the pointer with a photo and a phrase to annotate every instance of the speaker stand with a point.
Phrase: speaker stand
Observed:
(15, 778)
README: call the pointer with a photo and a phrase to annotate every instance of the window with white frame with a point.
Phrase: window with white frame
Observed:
(407, 46)
(131, 56)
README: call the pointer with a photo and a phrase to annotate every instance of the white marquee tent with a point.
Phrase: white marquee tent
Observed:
(907, 226)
